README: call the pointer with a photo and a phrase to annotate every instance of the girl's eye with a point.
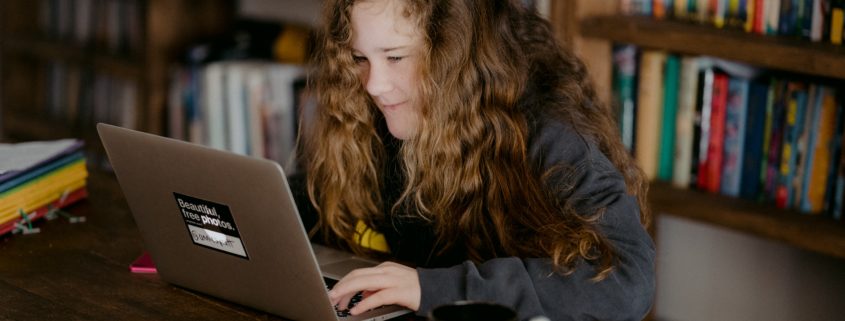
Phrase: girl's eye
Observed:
(359, 59)
(394, 59)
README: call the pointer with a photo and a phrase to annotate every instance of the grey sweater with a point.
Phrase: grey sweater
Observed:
(528, 284)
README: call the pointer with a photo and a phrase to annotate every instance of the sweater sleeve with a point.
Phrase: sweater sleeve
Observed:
(529, 285)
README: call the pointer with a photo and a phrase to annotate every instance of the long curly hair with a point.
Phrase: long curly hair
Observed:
(488, 68)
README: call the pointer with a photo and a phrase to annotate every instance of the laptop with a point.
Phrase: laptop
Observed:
(226, 225)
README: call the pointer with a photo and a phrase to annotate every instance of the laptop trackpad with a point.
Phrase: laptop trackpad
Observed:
(337, 270)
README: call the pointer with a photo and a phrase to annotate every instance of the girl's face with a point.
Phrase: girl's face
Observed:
(386, 46)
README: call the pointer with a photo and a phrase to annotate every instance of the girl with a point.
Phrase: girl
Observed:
(456, 136)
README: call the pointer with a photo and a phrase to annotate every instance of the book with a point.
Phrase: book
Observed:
(34, 175)
(760, 14)
(701, 127)
(735, 122)
(213, 105)
(818, 165)
(750, 183)
(818, 20)
(776, 116)
(788, 17)
(803, 151)
(69, 199)
(625, 91)
(672, 69)
(681, 9)
(235, 108)
(795, 104)
(685, 122)
(21, 157)
(837, 21)
(38, 171)
(649, 111)
(710, 171)
(773, 18)
(53, 184)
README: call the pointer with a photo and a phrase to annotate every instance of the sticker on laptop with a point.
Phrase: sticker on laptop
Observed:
(211, 225)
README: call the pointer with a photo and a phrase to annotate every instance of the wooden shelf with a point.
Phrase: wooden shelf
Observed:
(783, 53)
(22, 126)
(811, 232)
(120, 65)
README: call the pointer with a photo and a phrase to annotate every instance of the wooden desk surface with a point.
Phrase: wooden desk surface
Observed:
(81, 271)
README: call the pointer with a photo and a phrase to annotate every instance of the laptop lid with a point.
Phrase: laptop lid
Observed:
(221, 223)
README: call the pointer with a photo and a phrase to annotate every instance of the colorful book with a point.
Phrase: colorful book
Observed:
(27, 196)
(712, 167)
(774, 143)
(665, 165)
(818, 166)
(760, 14)
(658, 8)
(837, 21)
(69, 199)
(719, 11)
(804, 139)
(734, 137)
(36, 172)
(796, 99)
(681, 9)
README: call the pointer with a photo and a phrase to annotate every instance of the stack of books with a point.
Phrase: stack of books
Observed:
(38, 178)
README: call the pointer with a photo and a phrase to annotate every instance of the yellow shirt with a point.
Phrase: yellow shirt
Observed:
(370, 238)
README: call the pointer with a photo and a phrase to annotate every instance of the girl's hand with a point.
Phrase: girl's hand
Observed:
(387, 283)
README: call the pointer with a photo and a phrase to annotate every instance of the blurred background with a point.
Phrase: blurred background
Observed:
(230, 74)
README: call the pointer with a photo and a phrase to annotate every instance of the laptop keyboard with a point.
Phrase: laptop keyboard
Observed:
(352, 302)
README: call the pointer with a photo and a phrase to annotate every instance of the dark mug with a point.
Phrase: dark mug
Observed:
(468, 310)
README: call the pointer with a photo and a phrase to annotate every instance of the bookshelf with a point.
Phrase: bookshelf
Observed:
(815, 233)
(784, 53)
(55, 53)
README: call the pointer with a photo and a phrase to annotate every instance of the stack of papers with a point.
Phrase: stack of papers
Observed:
(38, 177)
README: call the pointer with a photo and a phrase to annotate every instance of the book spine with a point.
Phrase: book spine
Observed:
(805, 140)
(795, 103)
(773, 18)
(759, 24)
(835, 157)
(735, 122)
(837, 21)
(775, 142)
(685, 122)
(818, 170)
(750, 15)
(713, 166)
(670, 107)
(753, 152)
(649, 111)
(625, 92)
(701, 133)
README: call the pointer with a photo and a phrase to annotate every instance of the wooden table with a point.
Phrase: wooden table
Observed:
(80, 271)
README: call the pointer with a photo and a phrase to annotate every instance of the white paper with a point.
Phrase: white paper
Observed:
(16, 157)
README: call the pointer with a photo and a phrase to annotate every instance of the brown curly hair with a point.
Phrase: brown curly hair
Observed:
(467, 168)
